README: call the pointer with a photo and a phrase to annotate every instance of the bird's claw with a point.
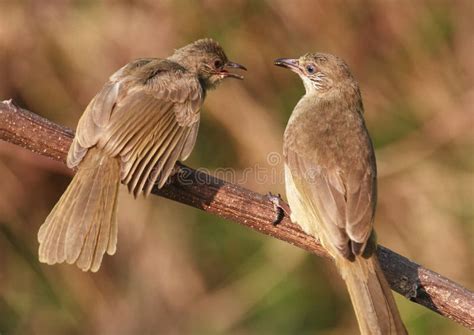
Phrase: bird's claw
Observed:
(281, 208)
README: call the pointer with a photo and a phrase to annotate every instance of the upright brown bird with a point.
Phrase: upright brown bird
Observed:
(331, 185)
(144, 119)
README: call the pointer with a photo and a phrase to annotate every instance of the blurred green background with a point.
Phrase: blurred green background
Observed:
(181, 271)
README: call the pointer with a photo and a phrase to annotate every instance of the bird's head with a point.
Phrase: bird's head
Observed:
(321, 73)
(208, 60)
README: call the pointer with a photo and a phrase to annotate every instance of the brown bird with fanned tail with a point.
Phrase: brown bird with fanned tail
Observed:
(144, 119)
(330, 177)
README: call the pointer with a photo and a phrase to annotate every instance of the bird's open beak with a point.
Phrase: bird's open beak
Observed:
(289, 63)
(227, 74)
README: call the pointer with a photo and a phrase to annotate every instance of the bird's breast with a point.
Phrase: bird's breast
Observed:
(330, 136)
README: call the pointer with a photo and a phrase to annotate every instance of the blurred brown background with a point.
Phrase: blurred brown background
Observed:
(180, 271)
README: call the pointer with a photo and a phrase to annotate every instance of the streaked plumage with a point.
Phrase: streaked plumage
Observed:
(330, 177)
(145, 118)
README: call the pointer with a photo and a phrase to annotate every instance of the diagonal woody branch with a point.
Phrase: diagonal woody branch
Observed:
(251, 209)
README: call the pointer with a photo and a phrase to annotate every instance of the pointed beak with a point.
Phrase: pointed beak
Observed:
(233, 65)
(289, 63)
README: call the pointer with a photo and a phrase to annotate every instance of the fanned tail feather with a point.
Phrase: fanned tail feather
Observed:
(82, 226)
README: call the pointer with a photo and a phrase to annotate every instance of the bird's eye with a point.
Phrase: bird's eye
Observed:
(310, 68)
(217, 63)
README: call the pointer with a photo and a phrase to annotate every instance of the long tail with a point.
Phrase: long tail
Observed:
(371, 297)
(83, 225)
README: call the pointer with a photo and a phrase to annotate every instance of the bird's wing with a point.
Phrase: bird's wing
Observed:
(148, 124)
(342, 203)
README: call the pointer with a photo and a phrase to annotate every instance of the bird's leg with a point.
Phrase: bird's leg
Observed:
(281, 208)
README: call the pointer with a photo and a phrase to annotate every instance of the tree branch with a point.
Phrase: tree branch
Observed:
(250, 209)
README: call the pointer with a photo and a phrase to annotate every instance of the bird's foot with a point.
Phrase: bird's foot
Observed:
(281, 208)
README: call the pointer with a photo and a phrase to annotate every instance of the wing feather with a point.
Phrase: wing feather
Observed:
(120, 133)
(316, 195)
(142, 152)
(158, 149)
(361, 203)
(167, 154)
(149, 124)
(164, 166)
(343, 201)
(145, 152)
(190, 141)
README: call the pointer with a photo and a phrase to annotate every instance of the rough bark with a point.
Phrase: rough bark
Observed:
(198, 189)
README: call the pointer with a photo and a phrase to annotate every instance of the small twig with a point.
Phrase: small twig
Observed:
(254, 210)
